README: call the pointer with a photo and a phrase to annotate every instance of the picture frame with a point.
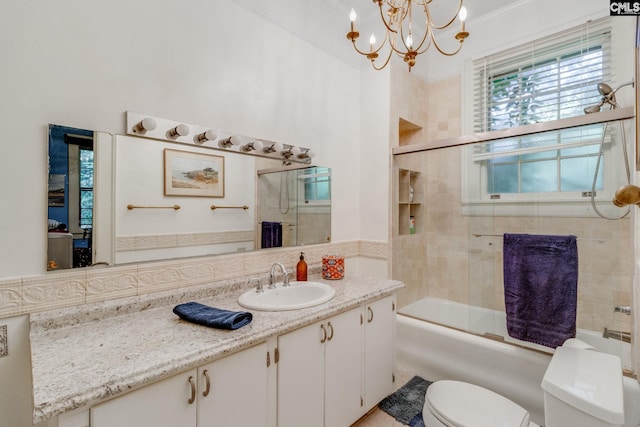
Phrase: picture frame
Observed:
(193, 174)
(56, 190)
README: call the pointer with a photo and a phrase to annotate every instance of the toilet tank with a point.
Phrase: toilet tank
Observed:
(583, 388)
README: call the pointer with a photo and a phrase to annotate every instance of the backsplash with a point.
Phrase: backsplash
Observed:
(75, 287)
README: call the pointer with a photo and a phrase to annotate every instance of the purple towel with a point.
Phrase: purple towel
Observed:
(541, 287)
(271, 234)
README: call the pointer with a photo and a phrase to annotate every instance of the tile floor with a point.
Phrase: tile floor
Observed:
(379, 418)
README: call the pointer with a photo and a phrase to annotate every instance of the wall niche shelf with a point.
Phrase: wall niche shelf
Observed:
(409, 202)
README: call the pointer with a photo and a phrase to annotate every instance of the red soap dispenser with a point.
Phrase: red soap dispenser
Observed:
(301, 269)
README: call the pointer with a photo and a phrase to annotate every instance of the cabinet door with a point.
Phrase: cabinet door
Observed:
(233, 391)
(301, 377)
(163, 404)
(380, 332)
(79, 419)
(343, 394)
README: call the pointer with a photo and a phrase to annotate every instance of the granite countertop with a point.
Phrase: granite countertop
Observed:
(84, 354)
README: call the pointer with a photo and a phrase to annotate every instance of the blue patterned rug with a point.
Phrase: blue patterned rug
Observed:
(405, 405)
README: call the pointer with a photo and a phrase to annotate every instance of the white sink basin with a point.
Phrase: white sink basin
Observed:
(295, 296)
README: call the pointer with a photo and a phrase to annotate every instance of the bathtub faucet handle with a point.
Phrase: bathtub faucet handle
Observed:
(626, 309)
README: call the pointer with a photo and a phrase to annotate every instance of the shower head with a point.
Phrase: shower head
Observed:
(604, 89)
(608, 97)
(593, 108)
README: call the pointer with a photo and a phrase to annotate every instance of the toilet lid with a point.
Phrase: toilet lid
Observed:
(460, 404)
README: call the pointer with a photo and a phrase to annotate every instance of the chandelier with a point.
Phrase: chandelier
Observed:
(401, 31)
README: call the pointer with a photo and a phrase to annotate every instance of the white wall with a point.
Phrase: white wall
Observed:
(215, 64)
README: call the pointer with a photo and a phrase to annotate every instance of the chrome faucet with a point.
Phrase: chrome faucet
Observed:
(272, 275)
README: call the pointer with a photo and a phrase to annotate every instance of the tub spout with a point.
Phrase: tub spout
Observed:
(627, 195)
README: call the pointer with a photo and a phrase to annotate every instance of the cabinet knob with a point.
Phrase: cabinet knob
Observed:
(207, 383)
(193, 390)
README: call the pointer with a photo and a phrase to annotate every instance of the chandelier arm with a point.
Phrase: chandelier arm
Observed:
(430, 22)
(361, 52)
(424, 38)
(386, 62)
(435, 43)
(384, 21)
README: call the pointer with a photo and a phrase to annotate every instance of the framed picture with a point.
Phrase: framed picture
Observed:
(193, 174)
(56, 189)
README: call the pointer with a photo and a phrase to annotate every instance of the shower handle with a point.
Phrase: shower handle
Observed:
(625, 309)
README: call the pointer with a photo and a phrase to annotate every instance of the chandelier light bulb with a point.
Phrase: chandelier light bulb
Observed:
(352, 16)
(372, 41)
(463, 14)
(463, 17)
(409, 42)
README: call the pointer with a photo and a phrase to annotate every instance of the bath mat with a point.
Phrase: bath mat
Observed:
(405, 404)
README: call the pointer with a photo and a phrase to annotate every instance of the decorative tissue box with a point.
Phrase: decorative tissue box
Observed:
(333, 267)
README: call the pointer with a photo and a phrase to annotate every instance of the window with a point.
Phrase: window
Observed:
(549, 79)
(86, 188)
(316, 185)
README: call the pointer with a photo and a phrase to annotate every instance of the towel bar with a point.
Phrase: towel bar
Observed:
(214, 207)
(131, 207)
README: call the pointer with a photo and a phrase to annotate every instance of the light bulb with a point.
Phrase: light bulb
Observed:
(180, 130)
(308, 154)
(273, 148)
(255, 145)
(462, 15)
(352, 16)
(203, 137)
(372, 41)
(236, 140)
(409, 41)
(144, 125)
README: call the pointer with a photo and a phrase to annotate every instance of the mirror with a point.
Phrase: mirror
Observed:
(90, 222)
(294, 206)
(70, 198)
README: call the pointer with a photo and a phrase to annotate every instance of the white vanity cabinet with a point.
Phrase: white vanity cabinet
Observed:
(332, 372)
(229, 391)
(320, 373)
(379, 353)
(163, 404)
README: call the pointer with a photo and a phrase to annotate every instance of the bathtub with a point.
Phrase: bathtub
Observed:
(432, 342)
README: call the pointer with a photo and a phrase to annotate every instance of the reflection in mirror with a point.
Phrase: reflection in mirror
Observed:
(70, 198)
(294, 206)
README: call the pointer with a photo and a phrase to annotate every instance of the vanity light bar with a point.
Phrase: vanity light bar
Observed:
(143, 125)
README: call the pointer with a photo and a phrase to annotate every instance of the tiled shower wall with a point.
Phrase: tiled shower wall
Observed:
(447, 261)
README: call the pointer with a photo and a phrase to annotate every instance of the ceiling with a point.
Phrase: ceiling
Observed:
(326, 23)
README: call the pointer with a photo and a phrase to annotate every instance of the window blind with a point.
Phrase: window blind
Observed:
(548, 79)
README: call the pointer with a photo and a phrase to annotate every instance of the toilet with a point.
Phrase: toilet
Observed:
(581, 388)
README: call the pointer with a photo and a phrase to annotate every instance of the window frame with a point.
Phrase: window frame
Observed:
(565, 203)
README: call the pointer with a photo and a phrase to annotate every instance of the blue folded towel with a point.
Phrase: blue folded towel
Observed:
(541, 287)
(201, 314)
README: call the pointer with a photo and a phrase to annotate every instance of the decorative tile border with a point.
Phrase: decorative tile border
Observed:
(165, 241)
(75, 287)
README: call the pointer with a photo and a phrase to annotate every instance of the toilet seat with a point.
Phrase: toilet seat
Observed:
(459, 404)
